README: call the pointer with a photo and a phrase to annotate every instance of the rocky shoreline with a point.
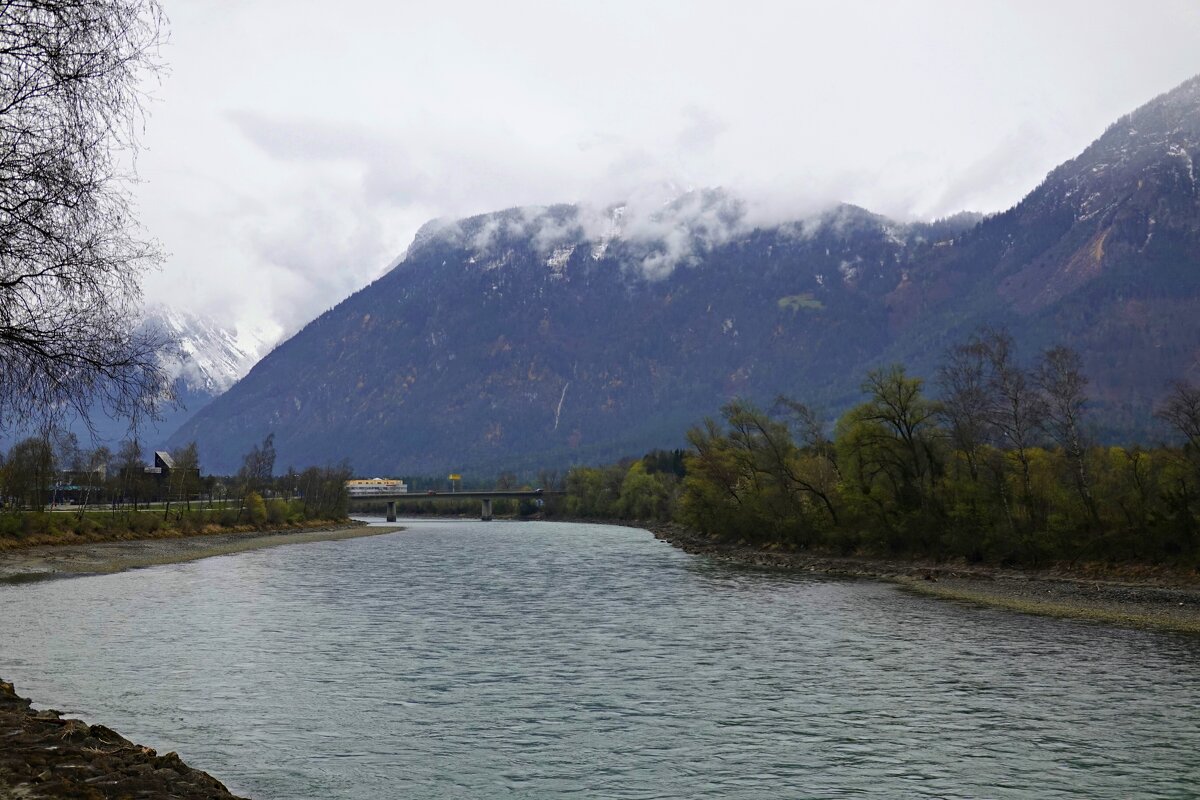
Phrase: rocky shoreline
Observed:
(44, 756)
(1139, 597)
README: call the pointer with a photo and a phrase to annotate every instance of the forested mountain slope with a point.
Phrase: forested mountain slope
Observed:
(547, 336)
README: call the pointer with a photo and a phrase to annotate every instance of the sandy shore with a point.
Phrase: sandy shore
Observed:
(61, 561)
(1160, 600)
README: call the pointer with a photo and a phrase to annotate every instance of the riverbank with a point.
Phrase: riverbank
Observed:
(66, 560)
(44, 755)
(25, 530)
(1141, 597)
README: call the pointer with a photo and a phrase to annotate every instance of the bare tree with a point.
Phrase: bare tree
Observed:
(808, 424)
(1017, 409)
(95, 466)
(70, 254)
(1064, 389)
(130, 473)
(965, 400)
(184, 476)
(1181, 410)
(258, 467)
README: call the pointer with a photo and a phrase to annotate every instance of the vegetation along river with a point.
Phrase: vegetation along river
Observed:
(540, 660)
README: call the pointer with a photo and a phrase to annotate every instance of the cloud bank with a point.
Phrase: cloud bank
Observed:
(293, 153)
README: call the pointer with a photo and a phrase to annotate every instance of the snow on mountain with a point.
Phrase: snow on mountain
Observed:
(213, 357)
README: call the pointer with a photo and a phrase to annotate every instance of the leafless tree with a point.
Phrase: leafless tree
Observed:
(258, 467)
(71, 256)
(807, 422)
(1064, 390)
(1181, 410)
(130, 473)
(965, 400)
(1017, 408)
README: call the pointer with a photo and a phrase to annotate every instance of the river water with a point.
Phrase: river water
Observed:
(535, 660)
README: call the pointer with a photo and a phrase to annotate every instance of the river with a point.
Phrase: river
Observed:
(461, 659)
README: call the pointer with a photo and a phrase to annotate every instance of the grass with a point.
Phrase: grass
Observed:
(20, 530)
(801, 302)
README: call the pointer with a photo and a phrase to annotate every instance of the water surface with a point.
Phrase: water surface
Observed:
(536, 660)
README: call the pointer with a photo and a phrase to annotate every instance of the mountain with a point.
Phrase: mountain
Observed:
(209, 358)
(1103, 256)
(546, 336)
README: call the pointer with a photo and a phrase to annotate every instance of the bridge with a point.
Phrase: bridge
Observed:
(486, 497)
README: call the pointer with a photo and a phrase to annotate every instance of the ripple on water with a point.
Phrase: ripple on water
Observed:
(536, 660)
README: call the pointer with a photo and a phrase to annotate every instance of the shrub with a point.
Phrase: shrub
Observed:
(144, 522)
(277, 512)
(256, 509)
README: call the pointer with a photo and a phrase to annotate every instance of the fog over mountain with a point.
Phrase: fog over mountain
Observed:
(291, 156)
(549, 335)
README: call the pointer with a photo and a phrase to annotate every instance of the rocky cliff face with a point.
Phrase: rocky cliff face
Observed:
(540, 337)
(211, 357)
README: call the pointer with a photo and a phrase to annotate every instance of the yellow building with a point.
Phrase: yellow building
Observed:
(369, 487)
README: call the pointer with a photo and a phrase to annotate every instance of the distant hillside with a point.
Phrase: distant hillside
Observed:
(209, 359)
(542, 337)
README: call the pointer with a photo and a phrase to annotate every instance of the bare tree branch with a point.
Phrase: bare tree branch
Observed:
(71, 257)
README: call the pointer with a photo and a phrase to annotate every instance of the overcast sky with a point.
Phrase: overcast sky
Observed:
(295, 146)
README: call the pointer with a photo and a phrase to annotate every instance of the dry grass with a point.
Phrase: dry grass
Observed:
(53, 538)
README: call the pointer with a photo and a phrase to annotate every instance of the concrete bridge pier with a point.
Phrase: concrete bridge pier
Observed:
(391, 511)
(487, 509)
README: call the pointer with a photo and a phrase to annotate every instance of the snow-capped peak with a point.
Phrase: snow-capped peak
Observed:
(213, 357)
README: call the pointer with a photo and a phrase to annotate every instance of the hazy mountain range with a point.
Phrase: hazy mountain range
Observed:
(208, 359)
(545, 336)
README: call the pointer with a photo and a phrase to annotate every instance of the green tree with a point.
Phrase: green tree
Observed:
(889, 449)
(752, 480)
(594, 492)
(256, 508)
(645, 495)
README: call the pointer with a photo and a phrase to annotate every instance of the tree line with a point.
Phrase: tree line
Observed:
(994, 462)
(52, 468)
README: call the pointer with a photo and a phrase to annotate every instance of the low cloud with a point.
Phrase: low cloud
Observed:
(294, 157)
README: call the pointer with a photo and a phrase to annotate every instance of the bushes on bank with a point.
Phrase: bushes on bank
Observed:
(997, 469)
(255, 509)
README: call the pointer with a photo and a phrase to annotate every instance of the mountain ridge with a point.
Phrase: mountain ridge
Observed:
(551, 335)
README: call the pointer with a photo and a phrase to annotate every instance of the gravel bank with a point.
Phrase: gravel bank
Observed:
(61, 561)
(1143, 598)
